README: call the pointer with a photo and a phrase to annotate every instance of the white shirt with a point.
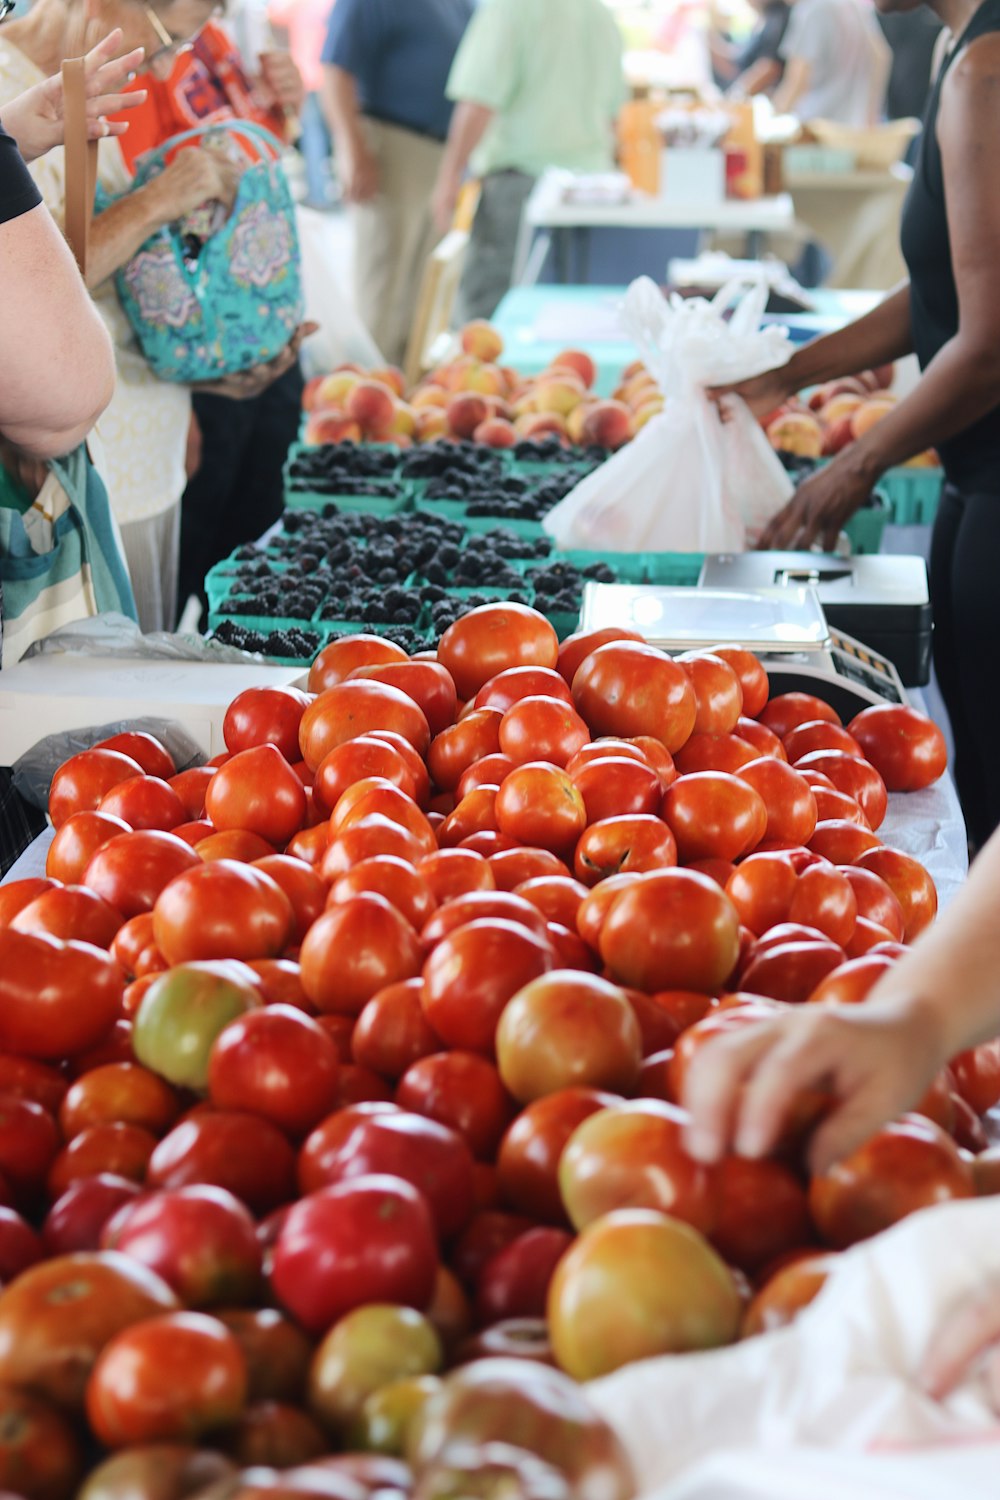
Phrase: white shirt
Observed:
(848, 60)
(144, 429)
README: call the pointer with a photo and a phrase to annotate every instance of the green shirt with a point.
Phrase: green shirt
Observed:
(552, 72)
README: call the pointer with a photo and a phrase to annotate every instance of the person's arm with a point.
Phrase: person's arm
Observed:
(356, 167)
(961, 384)
(760, 78)
(876, 1059)
(57, 365)
(794, 86)
(35, 118)
(469, 124)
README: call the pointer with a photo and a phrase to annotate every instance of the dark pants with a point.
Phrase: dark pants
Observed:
(237, 492)
(965, 594)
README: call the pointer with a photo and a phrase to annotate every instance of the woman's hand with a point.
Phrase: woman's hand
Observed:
(763, 394)
(819, 508)
(246, 384)
(281, 78)
(36, 118)
(357, 170)
(198, 175)
(971, 1334)
(874, 1061)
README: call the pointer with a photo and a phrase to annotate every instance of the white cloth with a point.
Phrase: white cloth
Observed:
(848, 60)
(144, 430)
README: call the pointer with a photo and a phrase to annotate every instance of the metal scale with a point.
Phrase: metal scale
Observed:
(783, 624)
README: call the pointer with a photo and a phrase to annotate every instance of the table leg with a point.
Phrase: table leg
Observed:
(535, 260)
(755, 244)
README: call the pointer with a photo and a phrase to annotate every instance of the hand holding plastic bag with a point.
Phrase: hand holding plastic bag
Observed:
(690, 481)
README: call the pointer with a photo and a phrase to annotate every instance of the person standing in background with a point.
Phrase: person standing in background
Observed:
(757, 67)
(304, 23)
(836, 63)
(386, 63)
(537, 84)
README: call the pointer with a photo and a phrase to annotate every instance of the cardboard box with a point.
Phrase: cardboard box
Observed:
(51, 693)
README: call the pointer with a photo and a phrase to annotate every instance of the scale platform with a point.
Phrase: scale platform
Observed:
(784, 625)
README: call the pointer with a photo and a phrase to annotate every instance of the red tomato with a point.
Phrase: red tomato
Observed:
(456, 872)
(56, 998)
(490, 771)
(472, 974)
(392, 1032)
(875, 900)
(752, 676)
(488, 1232)
(70, 912)
(367, 839)
(360, 1085)
(539, 805)
(566, 1030)
(357, 760)
(632, 1156)
(906, 748)
(152, 755)
(200, 1240)
(265, 716)
(768, 889)
(17, 894)
(82, 781)
(191, 786)
(144, 802)
(32, 1080)
(857, 778)
(427, 682)
(412, 760)
(791, 971)
(77, 841)
(715, 752)
(300, 883)
(392, 878)
(462, 910)
(632, 689)
(512, 867)
(787, 1292)
(594, 908)
(492, 638)
(763, 740)
(606, 749)
(375, 798)
(841, 841)
(135, 947)
(276, 1063)
(820, 734)
(909, 882)
(761, 1211)
(557, 897)
(514, 684)
(784, 713)
(977, 1075)
(131, 870)
(354, 950)
(463, 1091)
(907, 1165)
(789, 800)
(617, 786)
(528, 1159)
(230, 1149)
(171, 1377)
(367, 1240)
(656, 754)
(115, 1147)
(122, 1091)
(852, 982)
(831, 804)
(76, 1219)
(671, 930)
(222, 910)
(717, 691)
(716, 1023)
(357, 707)
(514, 1282)
(454, 750)
(713, 815)
(277, 1353)
(631, 845)
(257, 790)
(542, 729)
(474, 814)
(339, 659)
(576, 648)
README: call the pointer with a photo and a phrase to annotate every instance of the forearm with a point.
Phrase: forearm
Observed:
(951, 980)
(123, 228)
(339, 100)
(879, 338)
(758, 78)
(793, 86)
(469, 124)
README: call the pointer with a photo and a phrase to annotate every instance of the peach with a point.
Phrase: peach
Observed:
(838, 435)
(644, 413)
(481, 339)
(404, 420)
(372, 404)
(431, 424)
(309, 392)
(393, 377)
(559, 394)
(929, 459)
(512, 379)
(840, 406)
(334, 389)
(608, 424)
(523, 405)
(849, 386)
(426, 396)
(796, 432)
(497, 407)
(576, 421)
(639, 391)
(495, 433)
(576, 359)
(331, 427)
(465, 412)
(635, 368)
(484, 380)
(871, 412)
(540, 424)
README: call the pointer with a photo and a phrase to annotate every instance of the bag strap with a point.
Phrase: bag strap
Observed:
(81, 161)
(258, 135)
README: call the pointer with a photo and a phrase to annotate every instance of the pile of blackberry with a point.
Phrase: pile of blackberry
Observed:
(345, 469)
(558, 587)
(446, 610)
(452, 461)
(551, 451)
(300, 645)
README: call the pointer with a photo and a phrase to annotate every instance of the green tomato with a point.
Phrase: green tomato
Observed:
(385, 1420)
(183, 1012)
(371, 1347)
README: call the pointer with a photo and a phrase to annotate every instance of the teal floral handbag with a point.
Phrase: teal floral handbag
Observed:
(205, 307)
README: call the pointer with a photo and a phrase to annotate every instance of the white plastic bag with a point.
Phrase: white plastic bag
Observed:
(689, 482)
(342, 337)
(843, 1376)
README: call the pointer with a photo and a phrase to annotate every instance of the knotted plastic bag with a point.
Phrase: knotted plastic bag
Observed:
(690, 481)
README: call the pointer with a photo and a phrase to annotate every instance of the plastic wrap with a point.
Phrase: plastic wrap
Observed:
(34, 771)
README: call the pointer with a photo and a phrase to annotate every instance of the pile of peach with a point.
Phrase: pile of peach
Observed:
(835, 415)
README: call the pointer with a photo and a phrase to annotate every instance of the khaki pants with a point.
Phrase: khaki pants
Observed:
(489, 264)
(394, 234)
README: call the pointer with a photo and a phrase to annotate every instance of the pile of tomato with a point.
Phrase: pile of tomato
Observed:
(341, 1078)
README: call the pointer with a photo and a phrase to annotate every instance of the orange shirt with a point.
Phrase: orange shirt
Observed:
(208, 83)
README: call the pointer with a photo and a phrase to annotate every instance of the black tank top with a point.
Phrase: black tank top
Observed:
(972, 459)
